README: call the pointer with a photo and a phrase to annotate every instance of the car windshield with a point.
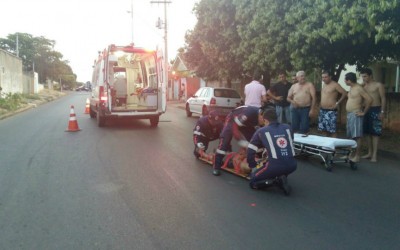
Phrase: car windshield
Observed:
(227, 93)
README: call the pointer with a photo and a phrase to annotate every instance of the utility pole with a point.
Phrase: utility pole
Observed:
(17, 46)
(131, 12)
(165, 2)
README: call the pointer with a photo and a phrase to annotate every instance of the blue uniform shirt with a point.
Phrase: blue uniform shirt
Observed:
(277, 139)
(204, 129)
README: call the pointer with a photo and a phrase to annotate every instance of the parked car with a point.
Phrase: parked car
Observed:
(210, 98)
(82, 88)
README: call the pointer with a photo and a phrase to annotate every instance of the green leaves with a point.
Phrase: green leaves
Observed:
(242, 35)
(38, 53)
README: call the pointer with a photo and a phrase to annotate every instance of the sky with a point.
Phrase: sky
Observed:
(81, 28)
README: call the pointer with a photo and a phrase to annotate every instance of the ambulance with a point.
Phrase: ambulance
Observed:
(128, 82)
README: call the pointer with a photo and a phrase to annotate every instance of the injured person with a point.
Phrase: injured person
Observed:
(277, 139)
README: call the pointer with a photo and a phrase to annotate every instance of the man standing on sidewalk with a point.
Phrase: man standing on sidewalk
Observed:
(358, 103)
(279, 93)
(302, 97)
(328, 111)
(374, 117)
(255, 92)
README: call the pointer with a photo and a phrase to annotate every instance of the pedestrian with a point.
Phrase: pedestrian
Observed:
(279, 93)
(255, 92)
(277, 139)
(302, 98)
(358, 103)
(374, 117)
(208, 128)
(328, 110)
(241, 123)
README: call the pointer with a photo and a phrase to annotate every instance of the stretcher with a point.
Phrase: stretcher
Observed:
(330, 150)
(234, 163)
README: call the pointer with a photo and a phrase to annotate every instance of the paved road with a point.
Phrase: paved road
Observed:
(129, 186)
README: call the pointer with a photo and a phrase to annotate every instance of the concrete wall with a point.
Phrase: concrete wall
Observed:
(10, 73)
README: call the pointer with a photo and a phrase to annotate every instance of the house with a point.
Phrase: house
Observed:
(183, 83)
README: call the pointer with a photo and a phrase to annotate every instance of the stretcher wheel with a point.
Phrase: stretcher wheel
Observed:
(329, 168)
(353, 165)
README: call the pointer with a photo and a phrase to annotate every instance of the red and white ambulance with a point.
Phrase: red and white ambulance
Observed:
(129, 82)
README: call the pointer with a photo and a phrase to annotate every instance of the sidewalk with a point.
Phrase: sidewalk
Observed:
(43, 97)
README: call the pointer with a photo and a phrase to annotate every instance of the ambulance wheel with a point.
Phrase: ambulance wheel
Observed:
(188, 113)
(353, 165)
(92, 113)
(101, 119)
(154, 121)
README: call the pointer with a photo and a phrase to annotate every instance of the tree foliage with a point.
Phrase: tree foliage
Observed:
(211, 46)
(37, 53)
(273, 35)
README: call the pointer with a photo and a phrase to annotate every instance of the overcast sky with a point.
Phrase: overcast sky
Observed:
(83, 27)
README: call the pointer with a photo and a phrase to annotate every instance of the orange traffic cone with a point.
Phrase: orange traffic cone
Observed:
(87, 109)
(73, 123)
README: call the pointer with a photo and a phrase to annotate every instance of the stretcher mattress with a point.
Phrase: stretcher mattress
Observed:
(323, 142)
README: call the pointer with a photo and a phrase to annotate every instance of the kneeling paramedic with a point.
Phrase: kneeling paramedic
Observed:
(277, 139)
(241, 123)
(207, 129)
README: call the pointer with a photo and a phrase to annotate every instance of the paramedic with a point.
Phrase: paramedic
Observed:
(277, 139)
(241, 124)
(207, 129)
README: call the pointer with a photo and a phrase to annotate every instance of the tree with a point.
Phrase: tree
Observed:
(330, 34)
(210, 47)
(38, 53)
(239, 36)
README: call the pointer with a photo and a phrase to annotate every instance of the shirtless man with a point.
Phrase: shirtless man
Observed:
(329, 105)
(302, 98)
(374, 117)
(357, 98)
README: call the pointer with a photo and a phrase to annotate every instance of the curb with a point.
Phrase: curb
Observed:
(389, 154)
(27, 106)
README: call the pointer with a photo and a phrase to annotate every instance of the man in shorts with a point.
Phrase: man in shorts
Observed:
(357, 105)
(374, 117)
(329, 105)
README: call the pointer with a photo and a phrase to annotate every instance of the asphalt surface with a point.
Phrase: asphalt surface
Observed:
(130, 186)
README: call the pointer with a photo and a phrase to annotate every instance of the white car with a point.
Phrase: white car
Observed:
(209, 98)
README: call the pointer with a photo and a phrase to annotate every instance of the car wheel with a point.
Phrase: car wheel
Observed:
(188, 113)
(204, 111)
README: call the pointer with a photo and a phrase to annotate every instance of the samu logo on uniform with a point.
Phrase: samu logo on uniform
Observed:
(281, 142)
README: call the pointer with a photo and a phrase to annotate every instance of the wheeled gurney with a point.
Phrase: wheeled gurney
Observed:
(330, 150)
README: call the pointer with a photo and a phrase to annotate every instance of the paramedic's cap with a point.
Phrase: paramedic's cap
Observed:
(270, 114)
(213, 115)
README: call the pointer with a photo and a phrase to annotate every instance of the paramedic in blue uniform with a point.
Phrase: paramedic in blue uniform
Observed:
(277, 139)
(207, 129)
(240, 123)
